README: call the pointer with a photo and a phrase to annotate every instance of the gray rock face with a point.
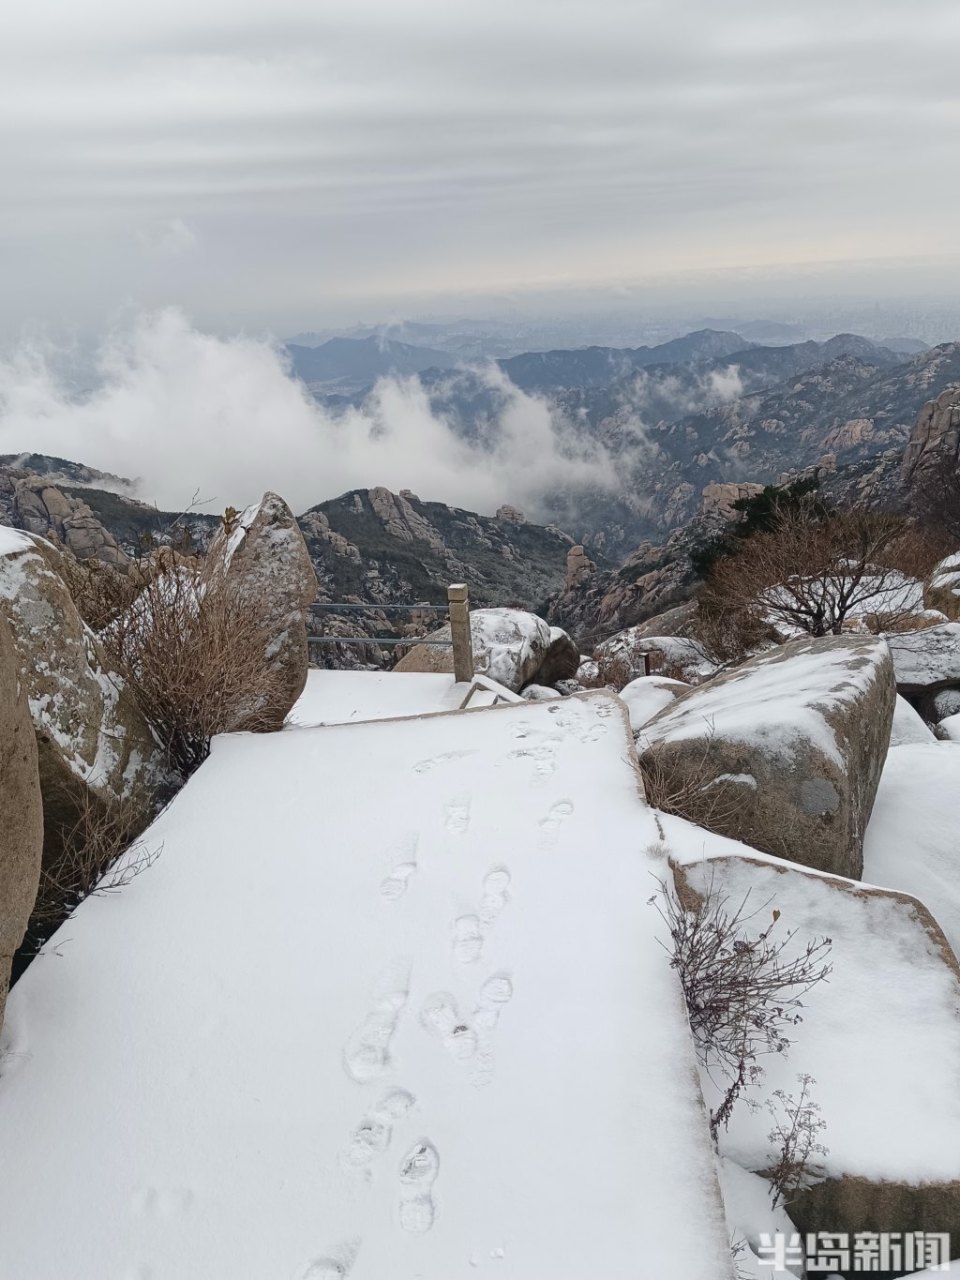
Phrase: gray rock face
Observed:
(935, 437)
(927, 661)
(784, 752)
(21, 810)
(265, 557)
(94, 745)
(561, 661)
(41, 508)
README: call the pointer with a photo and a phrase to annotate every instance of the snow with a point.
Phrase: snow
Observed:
(344, 697)
(750, 1214)
(682, 653)
(883, 1026)
(908, 725)
(12, 541)
(946, 575)
(925, 659)
(913, 837)
(389, 1004)
(774, 703)
(648, 695)
(949, 728)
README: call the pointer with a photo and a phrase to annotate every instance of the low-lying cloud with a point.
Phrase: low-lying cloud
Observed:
(179, 411)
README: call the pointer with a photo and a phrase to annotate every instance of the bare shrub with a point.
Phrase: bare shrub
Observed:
(811, 572)
(796, 1139)
(616, 672)
(87, 859)
(100, 591)
(743, 989)
(197, 659)
(729, 631)
(696, 796)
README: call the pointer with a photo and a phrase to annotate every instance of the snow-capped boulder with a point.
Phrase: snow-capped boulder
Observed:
(262, 554)
(927, 661)
(943, 588)
(561, 661)
(541, 693)
(648, 695)
(949, 728)
(912, 837)
(509, 646)
(908, 725)
(21, 811)
(783, 752)
(626, 656)
(943, 705)
(94, 745)
(880, 1039)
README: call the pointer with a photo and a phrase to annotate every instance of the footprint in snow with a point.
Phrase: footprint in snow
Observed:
(366, 1055)
(333, 1266)
(418, 1173)
(456, 815)
(470, 930)
(372, 1135)
(551, 824)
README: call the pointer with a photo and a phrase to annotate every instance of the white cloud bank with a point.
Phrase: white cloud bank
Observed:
(179, 410)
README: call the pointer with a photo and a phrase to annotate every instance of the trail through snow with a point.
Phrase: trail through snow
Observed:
(388, 1006)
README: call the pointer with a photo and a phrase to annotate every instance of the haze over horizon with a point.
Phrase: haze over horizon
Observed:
(309, 165)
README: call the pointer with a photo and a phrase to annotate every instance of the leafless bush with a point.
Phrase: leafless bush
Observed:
(196, 657)
(615, 672)
(696, 795)
(795, 1137)
(87, 858)
(812, 572)
(743, 988)
(100, 591)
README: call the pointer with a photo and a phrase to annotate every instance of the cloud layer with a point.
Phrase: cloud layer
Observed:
(290, 163)
(180, 411)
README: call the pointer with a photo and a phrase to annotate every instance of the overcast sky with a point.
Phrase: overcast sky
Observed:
(305, 161)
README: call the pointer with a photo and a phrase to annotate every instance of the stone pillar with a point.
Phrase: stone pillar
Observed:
(458, 596)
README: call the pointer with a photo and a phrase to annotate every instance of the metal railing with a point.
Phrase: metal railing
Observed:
(457, 610)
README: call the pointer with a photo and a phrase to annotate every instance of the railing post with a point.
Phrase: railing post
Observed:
(458, 599)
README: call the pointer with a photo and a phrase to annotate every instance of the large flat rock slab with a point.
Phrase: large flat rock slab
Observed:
(389, 1005)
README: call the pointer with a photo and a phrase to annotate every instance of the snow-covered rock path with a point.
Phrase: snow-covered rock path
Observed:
(389, 1005)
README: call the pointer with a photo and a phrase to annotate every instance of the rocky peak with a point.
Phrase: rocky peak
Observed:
(935, 438)
(32, 503)
(578, 568)
(719, 499)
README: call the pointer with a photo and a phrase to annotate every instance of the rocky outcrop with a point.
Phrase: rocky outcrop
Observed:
(511, 515)
(636, 652)
(21, 810)
(784, 752)
(401, 520)
(942, 590)
(561, 661)
(578, 568)
(895, 983)
(935, 439)
(509, 646)
(39, 507)
(95, 748)
(720, 499)
(926, 661)
(263, 556)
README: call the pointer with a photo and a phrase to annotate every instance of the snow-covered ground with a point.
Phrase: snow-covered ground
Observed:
(388, 1005)
(913, 837)
(890, 1001)
(349, 697)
